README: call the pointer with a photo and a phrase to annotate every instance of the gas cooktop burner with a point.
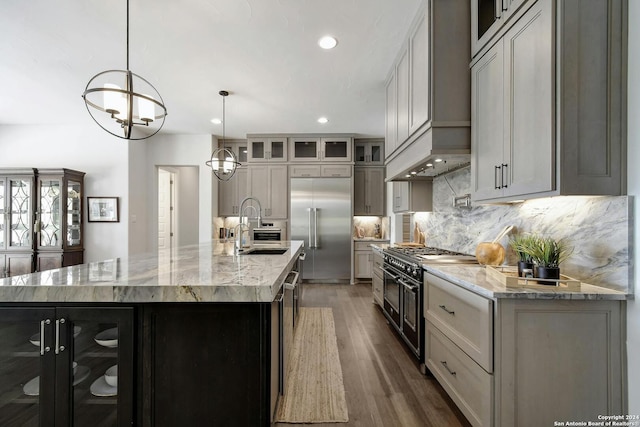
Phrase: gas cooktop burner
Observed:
(430, 255)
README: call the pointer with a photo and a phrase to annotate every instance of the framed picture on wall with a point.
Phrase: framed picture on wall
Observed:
(102, 209)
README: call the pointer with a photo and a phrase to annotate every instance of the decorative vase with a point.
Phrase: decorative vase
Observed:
(525, 269)
(547, 273)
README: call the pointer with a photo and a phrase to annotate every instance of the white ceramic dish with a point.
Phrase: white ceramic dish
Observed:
(35, 338)
(32, 388)
(102, 389)
(111, 376)
(108, 338)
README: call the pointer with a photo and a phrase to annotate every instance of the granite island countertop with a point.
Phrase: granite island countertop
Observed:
(206, 272)
(473, 277)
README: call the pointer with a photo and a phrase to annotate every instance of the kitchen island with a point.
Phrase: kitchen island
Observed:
(194, 333)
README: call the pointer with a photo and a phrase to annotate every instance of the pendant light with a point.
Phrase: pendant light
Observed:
(123, 103)
(223, 161)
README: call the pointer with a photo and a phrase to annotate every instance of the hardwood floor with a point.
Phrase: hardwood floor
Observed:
(383, 384)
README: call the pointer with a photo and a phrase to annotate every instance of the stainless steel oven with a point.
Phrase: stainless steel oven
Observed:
(267, 234)
(403, 287)
(392, 289)
(402, 303)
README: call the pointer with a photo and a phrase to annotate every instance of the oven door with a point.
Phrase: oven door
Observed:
(392, 293)
(411, 313)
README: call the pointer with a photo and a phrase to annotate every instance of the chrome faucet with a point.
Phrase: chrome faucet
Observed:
(241, 217)
(258, 211)
(238, 231)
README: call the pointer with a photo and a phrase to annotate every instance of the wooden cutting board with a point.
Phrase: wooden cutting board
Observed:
(409, 245)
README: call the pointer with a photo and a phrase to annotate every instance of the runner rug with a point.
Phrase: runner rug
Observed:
(314, 390)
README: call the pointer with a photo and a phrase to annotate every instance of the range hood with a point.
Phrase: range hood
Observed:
(436, 151)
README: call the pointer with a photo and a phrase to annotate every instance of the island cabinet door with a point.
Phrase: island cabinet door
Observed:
(94, 366)
(27, 366)
(207, 364)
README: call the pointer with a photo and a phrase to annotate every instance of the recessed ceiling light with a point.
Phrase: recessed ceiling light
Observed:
(438, 160)
(413, 172)
(216, 121)
(429, 165)
(327, 42)
(323, 120)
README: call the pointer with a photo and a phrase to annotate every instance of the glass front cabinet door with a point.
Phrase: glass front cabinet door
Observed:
(267, 149)
(16, 221)
(59, 233)
(64, 366)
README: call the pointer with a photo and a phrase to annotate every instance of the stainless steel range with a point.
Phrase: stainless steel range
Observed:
(403, 286)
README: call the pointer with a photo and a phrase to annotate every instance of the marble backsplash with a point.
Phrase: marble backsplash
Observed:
(599, 229)
(371, 227)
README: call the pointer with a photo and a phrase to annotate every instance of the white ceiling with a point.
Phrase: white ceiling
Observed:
(263, 52)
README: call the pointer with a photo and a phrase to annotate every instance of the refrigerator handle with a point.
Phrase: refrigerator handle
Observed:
(315, 228)
(309, 229)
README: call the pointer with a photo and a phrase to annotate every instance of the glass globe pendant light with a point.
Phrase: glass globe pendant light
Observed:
(223, 161)
(123, 103)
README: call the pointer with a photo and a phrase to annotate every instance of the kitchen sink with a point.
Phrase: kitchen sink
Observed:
(265, 251)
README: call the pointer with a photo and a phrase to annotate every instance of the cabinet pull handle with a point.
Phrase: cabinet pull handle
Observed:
(502, 178)
(444, 363)
(444, 307)
(43, 349)
(59, 348)
(495, 177)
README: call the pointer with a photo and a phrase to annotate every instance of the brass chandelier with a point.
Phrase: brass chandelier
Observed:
(123, 103)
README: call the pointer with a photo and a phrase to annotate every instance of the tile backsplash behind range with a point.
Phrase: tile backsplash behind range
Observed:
(599, 228)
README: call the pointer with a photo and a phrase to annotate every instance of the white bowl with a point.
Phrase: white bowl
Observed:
(111, 376)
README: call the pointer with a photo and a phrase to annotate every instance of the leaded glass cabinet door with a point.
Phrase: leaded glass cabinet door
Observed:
(3, 213)
(74, 214)
(50, 213)
(20, 215)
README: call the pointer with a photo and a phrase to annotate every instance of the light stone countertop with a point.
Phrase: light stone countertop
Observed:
(207, 272)
(474, 278)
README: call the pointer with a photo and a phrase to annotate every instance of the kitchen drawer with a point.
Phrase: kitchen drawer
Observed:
(336, 170)
(470, 387)
(304, 171)
(363, 246)
(466, 318)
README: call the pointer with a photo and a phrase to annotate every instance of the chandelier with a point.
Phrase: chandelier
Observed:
(123, 103)
(223, 161)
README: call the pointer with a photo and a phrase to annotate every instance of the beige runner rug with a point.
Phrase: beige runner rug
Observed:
(314, 391)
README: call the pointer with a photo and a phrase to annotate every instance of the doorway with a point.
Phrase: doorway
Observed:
(167, 237)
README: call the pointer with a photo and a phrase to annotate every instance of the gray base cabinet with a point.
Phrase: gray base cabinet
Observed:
(524, 362)
(548, 109)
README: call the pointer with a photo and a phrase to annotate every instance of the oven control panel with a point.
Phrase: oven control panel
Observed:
(411, 269)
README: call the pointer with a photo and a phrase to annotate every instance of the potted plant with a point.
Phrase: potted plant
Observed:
(522, 245)
(548, 253)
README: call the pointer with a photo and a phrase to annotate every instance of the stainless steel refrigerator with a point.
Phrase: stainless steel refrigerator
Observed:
(321, 216)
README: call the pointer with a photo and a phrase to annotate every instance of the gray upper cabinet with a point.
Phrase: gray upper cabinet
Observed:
(547, 104)
(329, 149)
(488, 17)
(419, 75)
(390, 140)
(428, 88)
(368, 152)
(267, 149)
(412, 196)
(231, 193)
(270, 185)
(368, 191)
